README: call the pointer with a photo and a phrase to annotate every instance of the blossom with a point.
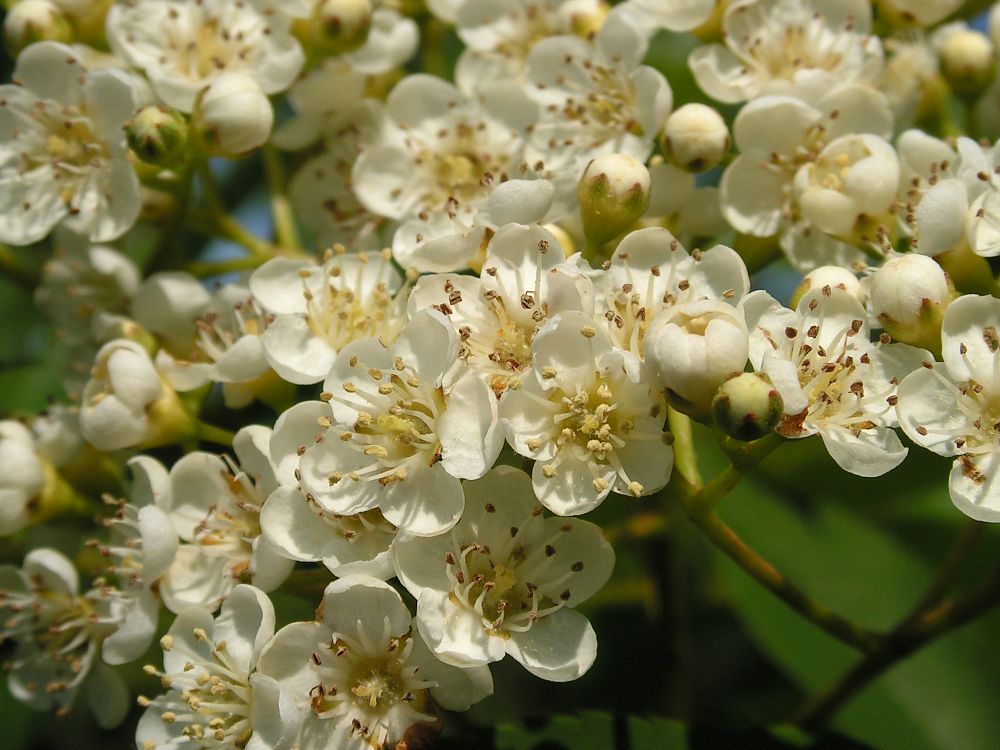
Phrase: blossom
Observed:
(184, 46)
(216, 697)
(596, 98)
(952, 409)
(589, 416)
(319, 309)
(214, 504)
(398, 440)
(23, 476)
(57, 634)
(506, 580)
(447, 168)
(525, 280)
(770, 44)
(359, 674)
(127, 404)
(228, 350)
(778, 136)
(63, 158)
(834, 381)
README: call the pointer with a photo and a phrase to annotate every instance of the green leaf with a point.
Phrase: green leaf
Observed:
(936, 699)
(593, 730)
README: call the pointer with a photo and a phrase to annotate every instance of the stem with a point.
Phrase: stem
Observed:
(12, 269)
(215, 268)
(224, 224)
(285, 229)
(911, 635)
(212, 434)
(723, 537)
(951, 566)
(685, 456)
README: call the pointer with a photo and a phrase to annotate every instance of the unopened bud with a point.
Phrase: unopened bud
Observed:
(835, 277)
(692, 348)
(695, 137)
(968, 62)
(909, 295)
(747, 406)
(234, 116)
(157, 135)
(336, 26)
(584, 17)
(613, 192)
(33, 21)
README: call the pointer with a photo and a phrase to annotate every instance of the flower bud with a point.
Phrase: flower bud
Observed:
(692, 348)
(157, 135)
(852, 183)
(583, 17)
(127, 405)
(968, 62)
(613, 192)
(233, 115)
(22, 476)
(33, 21)
(695, 137)
(909, 295)
(336, 26)
(835, 277)
(747, 406)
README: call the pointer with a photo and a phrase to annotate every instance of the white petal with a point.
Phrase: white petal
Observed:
(455, 632)
(973, 486)
(470, 436)
(870, 453)
(559, 647)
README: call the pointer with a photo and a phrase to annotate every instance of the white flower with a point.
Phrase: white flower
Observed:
(214, 505)
(692, 348)
(939, 182)
(360, 675)
(184, 46)
(228, 350)
(651, 271)
(298, 527)
(525, 280)
(833, 380)
(954, 410)
(319, 309)
(588, 415)
(505, 581)
(62, 155)
(216, 698)
(167, 304)
(22, 476)
(771, 44)
(57, 633)
(596, 98)
(398, 440)
(675, 15)
(140, 550)
(126, 404)
(447, 169)
(911, 68)
(850, 186)
(779, 135)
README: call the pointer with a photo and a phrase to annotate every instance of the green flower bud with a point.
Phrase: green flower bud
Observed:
(336, 26)
(613, 193)
(33, 21)
(157, 135)
(747, 406)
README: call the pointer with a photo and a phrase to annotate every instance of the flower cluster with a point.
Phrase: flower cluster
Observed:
(527, 275)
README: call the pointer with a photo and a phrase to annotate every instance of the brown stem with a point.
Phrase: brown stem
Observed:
(912, 634)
